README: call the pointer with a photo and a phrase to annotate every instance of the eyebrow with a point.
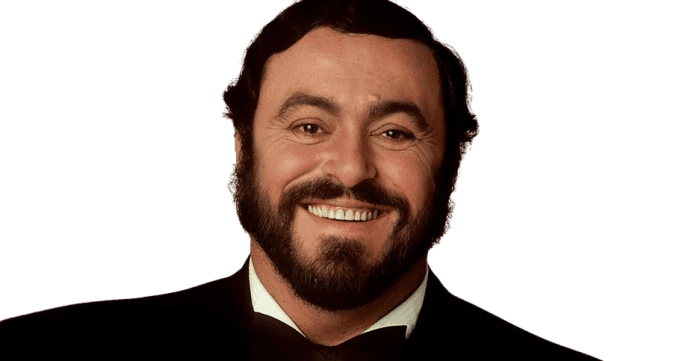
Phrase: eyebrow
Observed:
(385, 108)
(301, 99)
(377, 111)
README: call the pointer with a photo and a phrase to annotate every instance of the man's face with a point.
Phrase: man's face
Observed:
(348, 138)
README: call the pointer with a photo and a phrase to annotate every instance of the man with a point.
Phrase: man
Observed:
(351, 121)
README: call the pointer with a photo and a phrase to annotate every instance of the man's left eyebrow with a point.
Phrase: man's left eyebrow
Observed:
(385, 108)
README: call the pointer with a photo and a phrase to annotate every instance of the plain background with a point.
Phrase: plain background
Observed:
(572, 206)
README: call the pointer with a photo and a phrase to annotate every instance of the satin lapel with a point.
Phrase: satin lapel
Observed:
(238, 289)
(429, 339)
(241, 310)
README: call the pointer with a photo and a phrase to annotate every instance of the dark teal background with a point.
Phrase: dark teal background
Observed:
(572, 206)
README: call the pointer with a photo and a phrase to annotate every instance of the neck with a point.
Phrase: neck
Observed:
(333, 327)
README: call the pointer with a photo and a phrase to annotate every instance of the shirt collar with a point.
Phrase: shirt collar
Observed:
(405, 314)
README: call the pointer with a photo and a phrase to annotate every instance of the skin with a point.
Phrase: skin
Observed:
(353, 72)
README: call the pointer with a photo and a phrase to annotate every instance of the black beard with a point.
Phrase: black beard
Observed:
(339, 278)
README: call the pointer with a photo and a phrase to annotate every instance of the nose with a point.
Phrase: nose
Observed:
(349, 160)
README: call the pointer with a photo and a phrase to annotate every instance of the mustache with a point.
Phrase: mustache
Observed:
(367, 191)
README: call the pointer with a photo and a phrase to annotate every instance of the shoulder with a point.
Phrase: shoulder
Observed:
(179, 322)
(455, 326)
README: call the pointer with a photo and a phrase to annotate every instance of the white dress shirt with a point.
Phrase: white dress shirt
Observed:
(405, 314)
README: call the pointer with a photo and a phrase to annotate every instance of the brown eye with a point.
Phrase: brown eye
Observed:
(309, 128)
(396, 134)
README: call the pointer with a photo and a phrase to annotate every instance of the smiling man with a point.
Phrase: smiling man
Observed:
(346, 149)
(351, 121)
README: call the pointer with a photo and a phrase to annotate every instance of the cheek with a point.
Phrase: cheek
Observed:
(280, 164)
(410, 176)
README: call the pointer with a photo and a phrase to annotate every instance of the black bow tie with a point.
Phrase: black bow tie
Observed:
(272, 339)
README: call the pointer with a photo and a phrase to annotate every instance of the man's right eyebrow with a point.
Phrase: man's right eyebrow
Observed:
(302, 99)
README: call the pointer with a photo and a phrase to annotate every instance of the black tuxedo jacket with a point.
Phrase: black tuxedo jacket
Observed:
(212, 321)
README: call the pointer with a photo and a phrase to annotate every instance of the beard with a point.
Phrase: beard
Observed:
(340, 277)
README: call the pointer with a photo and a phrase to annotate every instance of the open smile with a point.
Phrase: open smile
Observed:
(343, 213)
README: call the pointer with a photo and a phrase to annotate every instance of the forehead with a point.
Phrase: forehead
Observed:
(355, 69)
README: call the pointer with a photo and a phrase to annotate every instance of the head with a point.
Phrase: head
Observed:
(347, 106)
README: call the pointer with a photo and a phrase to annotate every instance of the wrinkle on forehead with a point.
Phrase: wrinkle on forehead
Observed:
(338, 58)
(331, 44)
(324, 48)
(356, 68)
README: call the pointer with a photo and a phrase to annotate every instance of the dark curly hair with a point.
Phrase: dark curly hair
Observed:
(375, 17)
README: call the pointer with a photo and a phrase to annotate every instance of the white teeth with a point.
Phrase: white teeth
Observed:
(343, 215)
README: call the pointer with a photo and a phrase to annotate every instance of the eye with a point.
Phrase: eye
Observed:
(307, 129)
(397, 134)
(309, 133)
(394, 137)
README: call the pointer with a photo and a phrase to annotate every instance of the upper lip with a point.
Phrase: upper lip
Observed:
(342, 203)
